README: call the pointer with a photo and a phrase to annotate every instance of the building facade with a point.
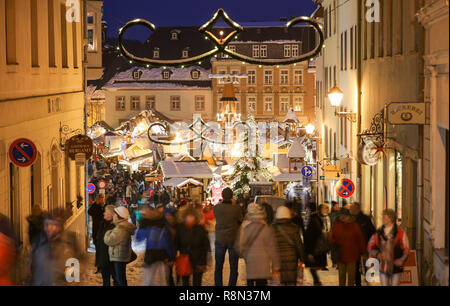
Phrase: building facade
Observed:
(269, 92)
(41, 77)
(434, 216)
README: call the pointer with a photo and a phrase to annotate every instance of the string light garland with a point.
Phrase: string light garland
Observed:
(220, 43)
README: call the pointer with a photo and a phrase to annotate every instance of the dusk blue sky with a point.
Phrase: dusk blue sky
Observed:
(197, 12)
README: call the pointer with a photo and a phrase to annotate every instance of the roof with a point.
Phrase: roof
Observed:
(180, 182)
(297, 150)
(291, 117)
(193, 169)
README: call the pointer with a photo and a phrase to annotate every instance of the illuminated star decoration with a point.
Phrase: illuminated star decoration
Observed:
(381, 148)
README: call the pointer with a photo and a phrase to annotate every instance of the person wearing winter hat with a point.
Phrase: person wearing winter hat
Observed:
(258, 247)
(119, 242)
(228, 219)
(289, 245)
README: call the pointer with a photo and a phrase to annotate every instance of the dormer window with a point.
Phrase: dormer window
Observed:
(174, 34)
(156, 53)
(195, 74)
(185, 53)
(137, 74)
(166, 74)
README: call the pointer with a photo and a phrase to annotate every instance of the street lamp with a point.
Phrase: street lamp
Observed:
(335, 95)
(310, 128)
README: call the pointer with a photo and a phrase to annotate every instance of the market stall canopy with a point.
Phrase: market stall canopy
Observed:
(196, 169)
(179, 182)
(297, 149)
(288, 177)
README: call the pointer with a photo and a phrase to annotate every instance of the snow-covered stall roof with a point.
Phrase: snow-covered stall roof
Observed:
(297, 149)
(291, 117)
(180, 182)
(195, 169)
(288, 177)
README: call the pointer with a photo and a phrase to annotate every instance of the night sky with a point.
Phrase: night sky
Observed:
(197, 12)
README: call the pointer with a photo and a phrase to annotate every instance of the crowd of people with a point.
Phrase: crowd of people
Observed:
(276, 245)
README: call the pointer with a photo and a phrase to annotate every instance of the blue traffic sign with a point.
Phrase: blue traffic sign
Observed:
(23, 152)
(307, 171)
(90, 188)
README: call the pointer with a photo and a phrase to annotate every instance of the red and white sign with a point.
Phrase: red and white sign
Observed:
(23, 152)
(410, 276)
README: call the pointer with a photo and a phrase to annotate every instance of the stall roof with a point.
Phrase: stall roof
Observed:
(180, 182)
(196, 169)
(288, 177)
(297, 150)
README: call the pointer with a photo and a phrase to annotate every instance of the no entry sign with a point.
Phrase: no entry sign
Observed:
(90, 188)
(23, 152)
(345, 188)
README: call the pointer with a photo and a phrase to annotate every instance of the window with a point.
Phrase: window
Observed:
(156, 53)
(298, 77)
(34, 35)
(10, 29)
(268, 104)
(150, 102)
(51, 34)
(298, 103)
(351, 48)
(325, 22)
(326, 80)
(232, 48)
(284, 77)
(120, 103)
(342, 51)
(334, 76)
(255, 51)
(251, 105)
(199, 103)
(135, 103)
(294, 50)
(381, 31)
(219, 106)
(268, 77)
(74, 45)
(90, 19)
(284, 104)
(175, 103)
(251, 77)
(334, 17)
(137, 74)
(389, 32)
(185, 53)
(263, 51)
(287, 50)
(329, 21)
(174, 35)
(166, 74)
(237, 106)
(345, 50)
(399, 27)
(91, 39)
(195, 74)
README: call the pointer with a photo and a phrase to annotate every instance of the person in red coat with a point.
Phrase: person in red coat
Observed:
(346, 234)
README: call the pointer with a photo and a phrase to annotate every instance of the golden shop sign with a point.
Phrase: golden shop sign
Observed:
(406, 113)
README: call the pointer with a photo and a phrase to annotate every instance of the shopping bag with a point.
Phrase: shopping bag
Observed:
(183, 265)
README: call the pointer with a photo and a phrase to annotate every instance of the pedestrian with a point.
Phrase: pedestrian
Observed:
(96, 212)
(51, 249)
(289, 246)
(128, 193)
(228, 220)
(316, 245)
(192, 240)
(35, 222)
(326, 221)
(296, 216)
(390, 246)
(269, 212)
(348, 237)
(258, 247)
(368, 229)
(335, 209)
(160, 251)
(7, 251)
(119, 242)
(102, 260)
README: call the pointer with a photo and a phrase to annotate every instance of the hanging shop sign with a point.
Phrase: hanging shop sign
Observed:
(79, 144)
(367, 153)
(332, 172)
(101, 184)
(345, 188)
(406, 113)
(22, 152)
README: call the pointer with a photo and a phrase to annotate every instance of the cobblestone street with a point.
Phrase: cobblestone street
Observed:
(135, 272)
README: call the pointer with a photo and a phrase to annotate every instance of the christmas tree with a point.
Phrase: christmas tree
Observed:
(249, 165)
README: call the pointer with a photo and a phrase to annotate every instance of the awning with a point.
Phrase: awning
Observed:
(288, 177)
(182, 169)
(179, 182)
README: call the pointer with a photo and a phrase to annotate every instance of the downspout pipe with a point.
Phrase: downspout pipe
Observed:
(359, 90)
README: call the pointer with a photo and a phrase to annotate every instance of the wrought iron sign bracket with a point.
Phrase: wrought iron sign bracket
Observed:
(64, 132)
